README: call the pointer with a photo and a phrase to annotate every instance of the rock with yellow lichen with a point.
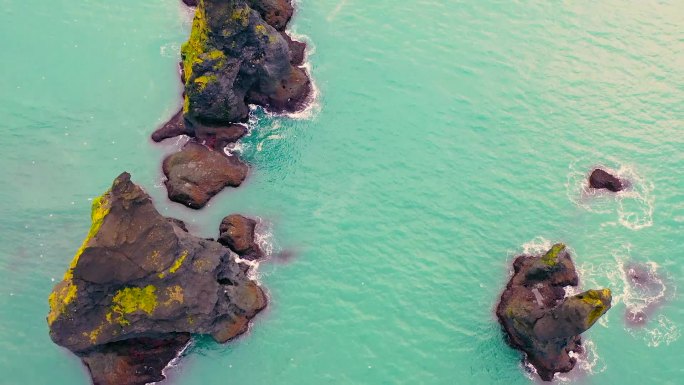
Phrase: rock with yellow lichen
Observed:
(140, 279)
(237, 54)
(537, 316)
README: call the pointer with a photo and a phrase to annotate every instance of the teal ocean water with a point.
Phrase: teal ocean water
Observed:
(446, 137)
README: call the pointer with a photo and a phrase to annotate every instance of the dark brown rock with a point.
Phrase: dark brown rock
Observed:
(137, 361)
(218, 138)
(601, 179)
(277, 13)
(139, 284)
(237, 233)
(174, 127)
(190, 3)
(297, 49)
(286, 94)
(215, 137)
(539, 319)
(195, 174)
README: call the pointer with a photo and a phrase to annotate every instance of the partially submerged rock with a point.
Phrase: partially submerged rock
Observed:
(237, 233)
(214, 137)
(539, 319)
(601, 179)
(196, 173)
(140, 283)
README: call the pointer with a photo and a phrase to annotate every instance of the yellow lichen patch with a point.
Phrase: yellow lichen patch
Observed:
(66, 291)
(173, 294)
(197, 43)
(241, 14)
(155, 259)
(261, 30)
(176, 264)
(598, 300)
(93, 336)
(551, 256)
(61, 296)
(134, 299)
(203, 80)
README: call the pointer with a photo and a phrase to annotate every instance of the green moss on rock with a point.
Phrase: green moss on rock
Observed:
(133, 299)
(551, 256)
(66, 291)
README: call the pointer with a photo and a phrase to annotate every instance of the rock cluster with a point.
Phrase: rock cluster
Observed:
(539, 319)
(140, 285)
(238, 54)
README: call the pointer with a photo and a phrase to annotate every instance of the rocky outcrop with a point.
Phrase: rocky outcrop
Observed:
(237, 233)
(539, 319)
(236, 55)
(140, 284)
(195, 174)
(214, 137)
(601, 179)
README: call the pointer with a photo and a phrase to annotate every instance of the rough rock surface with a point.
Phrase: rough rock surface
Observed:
(539, 319)
(215, 137)
(237, 233)
(145, 357)
(140, 281)
(237, 55)
(196, 173)
(601, 179)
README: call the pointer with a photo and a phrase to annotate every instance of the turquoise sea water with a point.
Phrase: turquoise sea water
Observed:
(447, 136)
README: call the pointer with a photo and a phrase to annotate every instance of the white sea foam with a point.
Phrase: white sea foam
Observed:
(658, 328)
(538, 245)
(633, 206)
(174, 362)
(588, 363)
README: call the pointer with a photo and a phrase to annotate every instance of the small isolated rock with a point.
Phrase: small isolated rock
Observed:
(190, 3)
(601, 179)
(195, 174)
(538, 319)
(237, 233)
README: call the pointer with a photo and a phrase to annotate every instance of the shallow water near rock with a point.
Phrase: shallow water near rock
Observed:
(447, 138)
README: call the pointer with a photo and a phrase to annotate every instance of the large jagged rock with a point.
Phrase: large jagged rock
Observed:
(196, 173)
(539, 319)
(236, 55)
(238, 233)
(601, 179)
(139, 283)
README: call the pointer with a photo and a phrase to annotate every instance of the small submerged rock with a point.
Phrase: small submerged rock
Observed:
(140, 284)
(601, 179)
(539, 319)
(647, 293)
(237, 233)
(195, 174)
